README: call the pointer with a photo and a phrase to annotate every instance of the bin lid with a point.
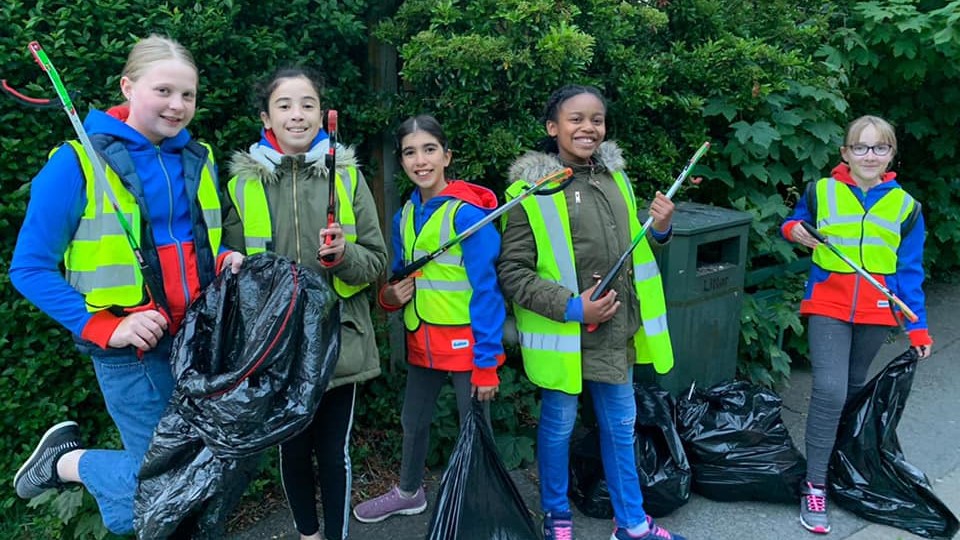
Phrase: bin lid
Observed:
(693, 218)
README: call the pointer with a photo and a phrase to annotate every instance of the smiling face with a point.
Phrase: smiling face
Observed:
(162, 99)
(425, 160)
(579, 128)
(869, 168)
(294, 114)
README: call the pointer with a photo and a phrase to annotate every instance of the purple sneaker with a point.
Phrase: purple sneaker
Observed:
(656, 532)
(558, 526)
(391, 503)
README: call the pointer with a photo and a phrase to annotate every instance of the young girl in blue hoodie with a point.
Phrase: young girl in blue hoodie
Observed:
(453, 310)
(865, 212)
(166, 185)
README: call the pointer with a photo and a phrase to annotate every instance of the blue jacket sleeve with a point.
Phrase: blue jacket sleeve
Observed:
(57, 199)
(487, 307)
(397, 244)
(910, 274)
(800, 213)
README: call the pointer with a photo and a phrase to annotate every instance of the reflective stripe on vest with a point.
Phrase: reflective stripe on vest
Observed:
(250, 198)
(652, 341)
(99, 262)
(551, 350)
(871, 239)
(443, 292)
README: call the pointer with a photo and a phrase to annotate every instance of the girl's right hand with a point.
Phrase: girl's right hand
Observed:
(142, 329)
(801, 236)
(603, 309)
(399, 293)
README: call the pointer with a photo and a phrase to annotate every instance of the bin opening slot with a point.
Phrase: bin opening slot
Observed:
(718, 255)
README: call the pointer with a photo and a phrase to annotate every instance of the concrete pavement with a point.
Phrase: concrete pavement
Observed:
(929, 434)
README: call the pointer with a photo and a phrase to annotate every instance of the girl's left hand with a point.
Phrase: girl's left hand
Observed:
(924, 351)
(337, 242)
(233, 261)
(661, 208)
(484, 393)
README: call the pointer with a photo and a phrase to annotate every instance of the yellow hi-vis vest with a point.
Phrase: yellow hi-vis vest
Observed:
(869, 238)
(99, 262)
(250, 199)
(443, 290)
(550, 349)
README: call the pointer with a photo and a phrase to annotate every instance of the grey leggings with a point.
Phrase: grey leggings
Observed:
(419, 404)
(840, 353)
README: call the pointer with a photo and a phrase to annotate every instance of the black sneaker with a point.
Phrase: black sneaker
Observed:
(39, 472)
(813, 508)
(558, 526)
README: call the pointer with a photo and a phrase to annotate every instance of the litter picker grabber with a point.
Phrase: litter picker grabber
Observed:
(894, 301)
(327, 260)
(557, 176)
(150, 279)
(605, 282)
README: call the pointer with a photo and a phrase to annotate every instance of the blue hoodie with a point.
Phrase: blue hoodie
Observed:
(57, 200)
(480, 252)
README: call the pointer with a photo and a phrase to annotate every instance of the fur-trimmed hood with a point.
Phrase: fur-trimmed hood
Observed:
(262, 162)
(534, 165)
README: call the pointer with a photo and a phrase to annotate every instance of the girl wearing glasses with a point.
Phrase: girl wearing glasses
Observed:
(866, 214)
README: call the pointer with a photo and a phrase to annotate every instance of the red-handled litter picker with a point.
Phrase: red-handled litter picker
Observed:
(327, 260)
(607, 279)
(894, 301)
(150, 279)
(558, 176)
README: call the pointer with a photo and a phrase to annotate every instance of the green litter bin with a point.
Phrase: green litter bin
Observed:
(703, 269)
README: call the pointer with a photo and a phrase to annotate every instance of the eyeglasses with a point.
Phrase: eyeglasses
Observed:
(862, 149)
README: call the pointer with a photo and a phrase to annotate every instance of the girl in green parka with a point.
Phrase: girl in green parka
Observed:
(555, 248)
(278, 199)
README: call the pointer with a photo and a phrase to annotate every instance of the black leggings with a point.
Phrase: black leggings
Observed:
(840, 353)
(328, 438)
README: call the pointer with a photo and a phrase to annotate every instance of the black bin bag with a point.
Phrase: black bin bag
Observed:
(251, 361)
(478, 500)
(661, 461)
(738, 447)
(868, 473)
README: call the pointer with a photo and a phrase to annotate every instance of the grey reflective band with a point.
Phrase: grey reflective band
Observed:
(444, 258)
(446, 229)
(655, 326)
(91, 230)
(114, 275)
(886, 224)
(558, 243)
(256, 242)
(349, 230)
(239, 193)
(645, 271)
(212, 218)
(550, 342)
(444, 286)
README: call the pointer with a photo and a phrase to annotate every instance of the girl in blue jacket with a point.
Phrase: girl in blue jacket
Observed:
(167, 186)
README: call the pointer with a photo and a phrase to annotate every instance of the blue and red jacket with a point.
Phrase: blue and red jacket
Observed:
(57, 200)
(847, 296)
(487, 307)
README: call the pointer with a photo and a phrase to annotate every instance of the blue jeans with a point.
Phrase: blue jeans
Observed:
(616, 413)
(136, 393)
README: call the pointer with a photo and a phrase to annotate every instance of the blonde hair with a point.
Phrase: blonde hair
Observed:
(884, 130)
(154, 48)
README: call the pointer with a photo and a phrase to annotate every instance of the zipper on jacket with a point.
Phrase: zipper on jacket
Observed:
(176, 241)
(296, 212)
(576, 207)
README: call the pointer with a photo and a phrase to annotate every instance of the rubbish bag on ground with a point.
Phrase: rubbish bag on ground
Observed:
(478, 500)
(661, 461)
(252, 360)
(869, 474)
(738, 447)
